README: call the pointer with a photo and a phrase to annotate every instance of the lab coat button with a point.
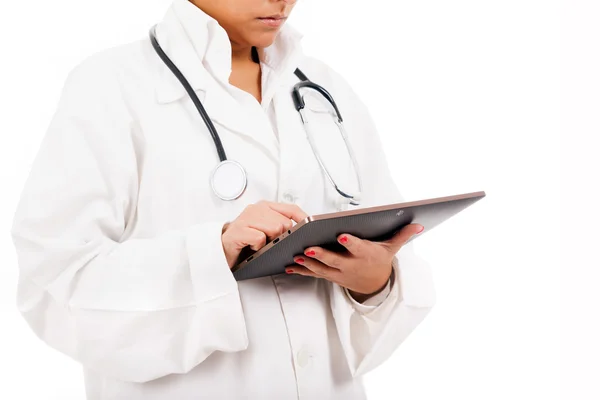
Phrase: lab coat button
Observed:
(288, 197)
(303, 358)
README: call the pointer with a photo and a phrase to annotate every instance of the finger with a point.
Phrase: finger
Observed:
(356, 246)
(300, 271)
(317, 267)
(403, 236)
(326, 257)
(271, 223)
(291, 211)
(246, 236)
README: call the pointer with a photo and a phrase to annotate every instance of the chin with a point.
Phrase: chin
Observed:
(264, 40)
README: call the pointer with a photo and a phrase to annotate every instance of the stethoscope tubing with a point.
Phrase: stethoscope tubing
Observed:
(188, 88)
(299, 105)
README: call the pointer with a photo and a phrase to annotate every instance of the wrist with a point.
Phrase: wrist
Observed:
(362, 297)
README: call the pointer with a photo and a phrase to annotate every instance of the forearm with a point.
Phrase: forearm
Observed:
(376, 297)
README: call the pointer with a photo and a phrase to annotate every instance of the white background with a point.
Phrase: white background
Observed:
(466, 95)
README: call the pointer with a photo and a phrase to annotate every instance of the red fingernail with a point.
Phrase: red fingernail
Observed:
(289, 271)
(421, 229)
(310, 253)
(300, 260)
(343, 239)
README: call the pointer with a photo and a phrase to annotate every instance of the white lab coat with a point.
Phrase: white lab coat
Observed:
(118, 233)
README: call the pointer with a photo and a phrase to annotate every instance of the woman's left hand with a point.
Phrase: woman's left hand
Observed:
(364, 269)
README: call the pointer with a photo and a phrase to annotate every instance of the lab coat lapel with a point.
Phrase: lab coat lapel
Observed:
(227, 112)
(224, 110)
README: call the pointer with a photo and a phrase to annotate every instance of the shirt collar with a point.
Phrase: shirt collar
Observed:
(192, 38)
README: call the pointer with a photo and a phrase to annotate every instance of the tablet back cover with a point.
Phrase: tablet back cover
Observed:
(374, 223)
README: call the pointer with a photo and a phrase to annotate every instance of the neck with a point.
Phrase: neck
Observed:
(241, 54)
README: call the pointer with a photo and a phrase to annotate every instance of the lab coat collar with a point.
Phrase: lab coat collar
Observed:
(201, 50)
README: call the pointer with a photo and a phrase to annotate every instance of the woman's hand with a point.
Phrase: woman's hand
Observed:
(364, 269)
(256, 225)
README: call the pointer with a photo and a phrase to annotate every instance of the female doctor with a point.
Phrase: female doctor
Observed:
(130, 220)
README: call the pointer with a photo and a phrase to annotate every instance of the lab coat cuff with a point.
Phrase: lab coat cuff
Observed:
(210, 272)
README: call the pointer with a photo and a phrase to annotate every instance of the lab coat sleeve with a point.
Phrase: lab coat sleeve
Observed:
(134, 309)
(370, 333)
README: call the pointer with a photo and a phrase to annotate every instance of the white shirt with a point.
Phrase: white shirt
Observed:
(118, 234)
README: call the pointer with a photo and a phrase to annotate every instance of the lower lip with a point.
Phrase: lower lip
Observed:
(272, 21)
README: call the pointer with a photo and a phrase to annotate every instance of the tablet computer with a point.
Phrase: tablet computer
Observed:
(371, 223)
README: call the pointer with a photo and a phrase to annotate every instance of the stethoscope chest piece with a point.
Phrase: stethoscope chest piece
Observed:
(229, 180)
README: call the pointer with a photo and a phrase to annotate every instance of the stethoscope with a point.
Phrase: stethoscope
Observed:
(229, 179)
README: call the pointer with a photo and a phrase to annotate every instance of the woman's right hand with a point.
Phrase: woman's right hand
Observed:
(256, 225)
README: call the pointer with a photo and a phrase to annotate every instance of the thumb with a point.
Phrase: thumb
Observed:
(403, 236)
